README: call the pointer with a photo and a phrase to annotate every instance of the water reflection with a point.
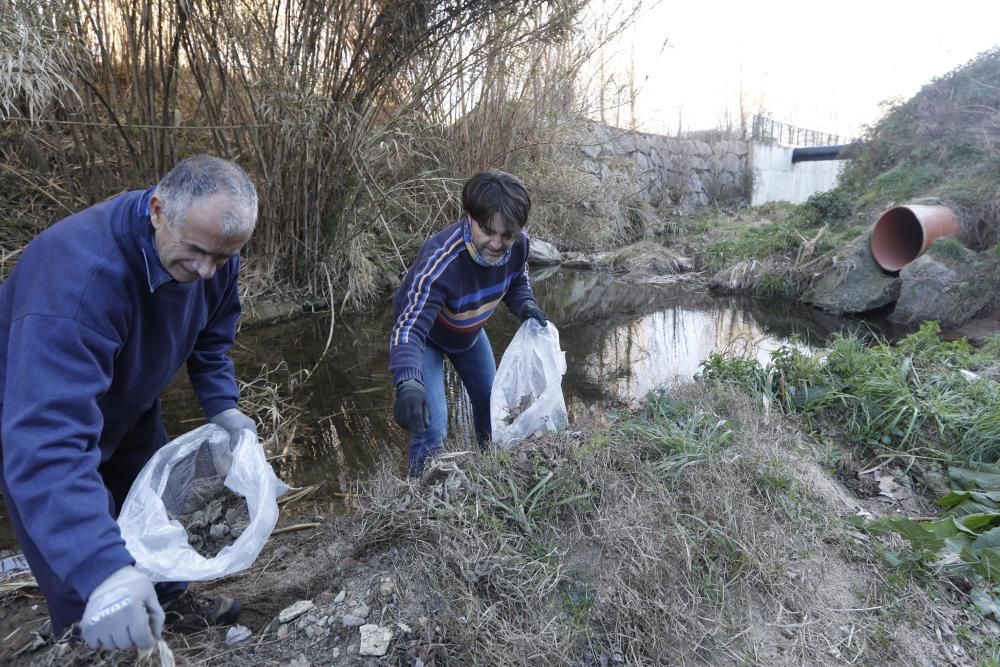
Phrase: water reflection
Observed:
(664, 348)
(621, 341)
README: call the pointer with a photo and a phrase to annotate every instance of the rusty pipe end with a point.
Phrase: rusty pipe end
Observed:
(904, 232)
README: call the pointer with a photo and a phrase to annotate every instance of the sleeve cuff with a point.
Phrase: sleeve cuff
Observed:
(217, 407)
(91, 573)
(408, 374)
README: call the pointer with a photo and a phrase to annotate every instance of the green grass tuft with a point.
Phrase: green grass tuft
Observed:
(899, 397)
(949, 249)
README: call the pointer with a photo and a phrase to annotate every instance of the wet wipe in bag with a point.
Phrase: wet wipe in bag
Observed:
(527, 392)
(180, 480)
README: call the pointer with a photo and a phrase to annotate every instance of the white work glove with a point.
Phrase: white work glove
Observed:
(123, 612)
(234, 422)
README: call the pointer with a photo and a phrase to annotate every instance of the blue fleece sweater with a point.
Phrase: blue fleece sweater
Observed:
(92, 328)
(447, 297)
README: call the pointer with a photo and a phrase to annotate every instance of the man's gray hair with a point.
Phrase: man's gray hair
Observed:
(202, 176)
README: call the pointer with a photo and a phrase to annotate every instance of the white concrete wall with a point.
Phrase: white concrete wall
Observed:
(775, 178)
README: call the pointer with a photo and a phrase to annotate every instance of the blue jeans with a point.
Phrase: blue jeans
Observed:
(477, 368)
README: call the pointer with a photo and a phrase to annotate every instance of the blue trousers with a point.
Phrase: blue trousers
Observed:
(476, 368)
(119, 471)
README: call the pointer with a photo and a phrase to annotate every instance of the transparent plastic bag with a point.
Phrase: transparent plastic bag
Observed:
(527, 392)
(172, 483)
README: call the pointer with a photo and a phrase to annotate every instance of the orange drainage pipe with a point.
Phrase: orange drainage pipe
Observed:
(903, 233)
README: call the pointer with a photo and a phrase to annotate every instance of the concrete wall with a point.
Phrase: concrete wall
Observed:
(775, 178)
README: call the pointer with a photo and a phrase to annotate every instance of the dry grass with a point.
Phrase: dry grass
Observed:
(699, 531)
(346, 114)
(685, 536)
(32, 61)
(580, 211)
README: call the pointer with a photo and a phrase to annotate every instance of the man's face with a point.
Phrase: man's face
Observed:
(194, 248)
(490, 244)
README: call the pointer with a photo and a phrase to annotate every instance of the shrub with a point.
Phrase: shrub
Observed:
(827, 207)
(949, 249)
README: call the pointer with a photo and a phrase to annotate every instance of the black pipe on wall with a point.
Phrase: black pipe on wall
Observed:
(817, 153)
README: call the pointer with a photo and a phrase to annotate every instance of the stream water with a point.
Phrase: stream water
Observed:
(621, 341)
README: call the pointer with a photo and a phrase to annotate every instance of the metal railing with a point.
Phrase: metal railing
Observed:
(770, 131)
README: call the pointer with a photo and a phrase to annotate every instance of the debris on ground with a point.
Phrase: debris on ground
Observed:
(214, 516)
(517, 409)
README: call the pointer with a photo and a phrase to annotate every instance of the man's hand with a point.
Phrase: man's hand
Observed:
(123, 612)
(411, 411)
(531, 311)
(234, 422)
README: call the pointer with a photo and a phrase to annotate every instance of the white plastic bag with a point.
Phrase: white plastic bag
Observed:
(159, 543)
(527, 392)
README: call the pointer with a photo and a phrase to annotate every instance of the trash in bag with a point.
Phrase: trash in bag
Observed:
(527, 391)
(198, 511)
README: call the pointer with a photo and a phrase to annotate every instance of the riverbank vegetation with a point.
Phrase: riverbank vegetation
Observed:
(746, 518)
(358, 121)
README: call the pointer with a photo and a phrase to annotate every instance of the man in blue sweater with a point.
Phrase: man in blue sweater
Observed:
(461, 275)
(97, 317)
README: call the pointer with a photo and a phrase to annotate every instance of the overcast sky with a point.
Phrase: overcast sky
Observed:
(821, 65)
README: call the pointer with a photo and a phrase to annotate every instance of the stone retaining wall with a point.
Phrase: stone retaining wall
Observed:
(678, 173)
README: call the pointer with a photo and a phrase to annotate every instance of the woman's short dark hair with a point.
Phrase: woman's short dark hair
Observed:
(498, 201)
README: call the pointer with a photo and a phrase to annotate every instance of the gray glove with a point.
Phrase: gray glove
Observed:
(235, 422)
(123, 612)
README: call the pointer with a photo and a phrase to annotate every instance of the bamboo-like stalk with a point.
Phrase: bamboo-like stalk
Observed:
(358, 118)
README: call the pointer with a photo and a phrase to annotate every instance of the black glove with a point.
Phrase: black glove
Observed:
(410, 410)
(530, 310)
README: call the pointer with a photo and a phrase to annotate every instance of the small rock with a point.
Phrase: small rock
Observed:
(311, 631)
(214, 511)
(299, 661)
(375, 640)
(283, 631)
(340, 597)
(238, 634)
(292, 612)
(196, 521)
(218, 531)
(361, 611)
(352, 621)
(404, 628)
(386, 587)
(281, 552)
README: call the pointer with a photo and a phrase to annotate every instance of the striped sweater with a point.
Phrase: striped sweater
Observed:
(447, 297)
